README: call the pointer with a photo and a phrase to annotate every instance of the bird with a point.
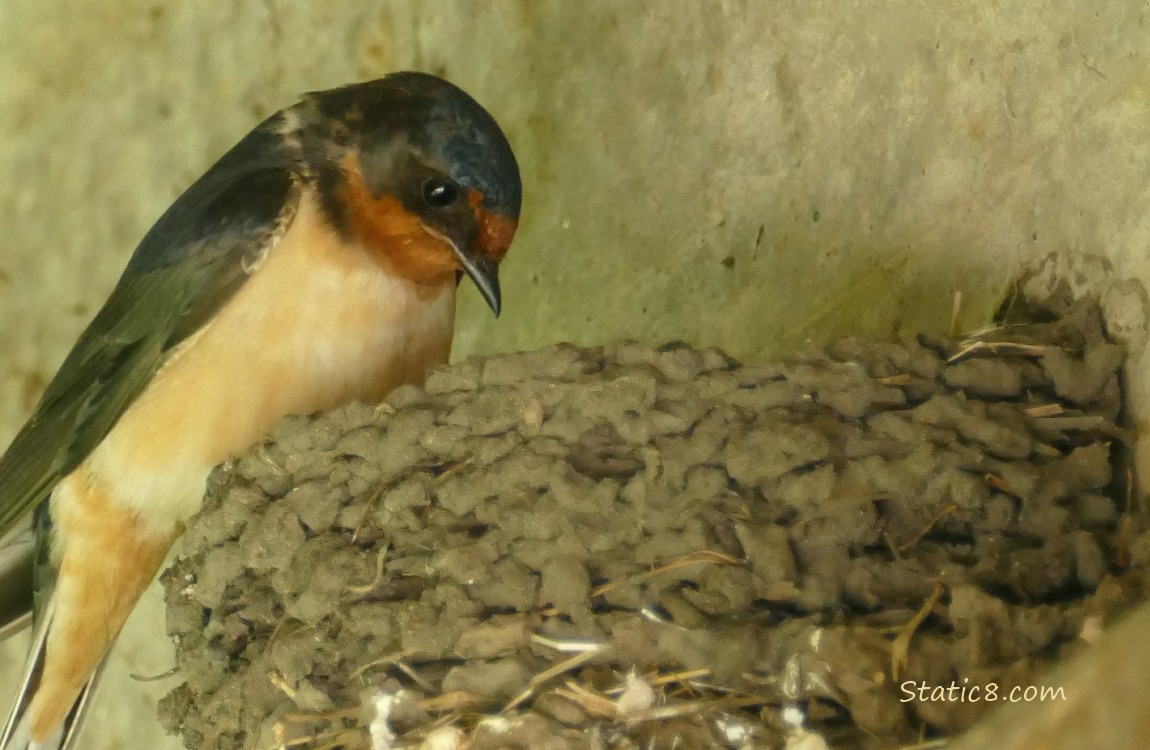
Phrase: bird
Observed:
(316, 262)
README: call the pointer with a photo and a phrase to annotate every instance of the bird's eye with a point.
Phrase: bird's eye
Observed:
(439, 193)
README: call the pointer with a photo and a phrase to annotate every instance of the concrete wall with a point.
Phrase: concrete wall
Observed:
(748, 174)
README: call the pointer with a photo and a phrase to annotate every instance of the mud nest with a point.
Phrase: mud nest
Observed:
(627, 547)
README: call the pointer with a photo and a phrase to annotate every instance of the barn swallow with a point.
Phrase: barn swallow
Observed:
(315, 263)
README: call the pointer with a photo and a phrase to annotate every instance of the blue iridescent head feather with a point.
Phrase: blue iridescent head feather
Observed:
(401, 126)
(453, 131)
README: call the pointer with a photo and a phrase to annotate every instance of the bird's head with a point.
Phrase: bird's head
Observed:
(417, 172)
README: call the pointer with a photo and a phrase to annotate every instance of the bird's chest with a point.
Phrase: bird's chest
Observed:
(306, 333)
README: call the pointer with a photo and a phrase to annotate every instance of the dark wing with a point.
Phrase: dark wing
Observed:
(188, 265)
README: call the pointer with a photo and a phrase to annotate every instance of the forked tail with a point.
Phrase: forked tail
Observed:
(17, 730)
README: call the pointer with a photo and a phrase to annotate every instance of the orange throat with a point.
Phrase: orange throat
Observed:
(394, 235)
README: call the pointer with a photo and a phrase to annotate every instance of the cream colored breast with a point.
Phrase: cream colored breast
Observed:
(319, 323)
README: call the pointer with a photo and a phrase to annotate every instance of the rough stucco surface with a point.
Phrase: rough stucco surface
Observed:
(751, 178)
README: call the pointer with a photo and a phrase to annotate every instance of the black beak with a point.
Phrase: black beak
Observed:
(482, 270)
(485, 273)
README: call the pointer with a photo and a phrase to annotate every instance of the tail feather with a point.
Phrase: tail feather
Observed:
(80, 603)
(17, 730)
(17, 553)
(16, 734)
(15, 625)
